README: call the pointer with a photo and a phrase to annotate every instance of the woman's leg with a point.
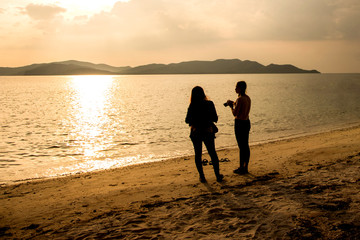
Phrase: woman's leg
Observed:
(197, 142)
(210, 146)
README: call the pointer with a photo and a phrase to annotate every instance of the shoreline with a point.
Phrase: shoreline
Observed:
(252, 144)
(304, 187)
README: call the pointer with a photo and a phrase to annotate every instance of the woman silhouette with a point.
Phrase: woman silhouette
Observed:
(201, 116)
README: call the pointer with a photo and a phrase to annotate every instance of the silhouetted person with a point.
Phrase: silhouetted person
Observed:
(201, 116)
(241, 109)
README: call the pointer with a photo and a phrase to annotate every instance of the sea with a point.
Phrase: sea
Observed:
(60, 125)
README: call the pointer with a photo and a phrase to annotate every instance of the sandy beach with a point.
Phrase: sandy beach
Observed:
(300, 188)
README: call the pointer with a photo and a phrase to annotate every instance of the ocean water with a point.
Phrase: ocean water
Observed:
(56, 125)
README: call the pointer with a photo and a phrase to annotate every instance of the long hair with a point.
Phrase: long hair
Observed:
(197, 95)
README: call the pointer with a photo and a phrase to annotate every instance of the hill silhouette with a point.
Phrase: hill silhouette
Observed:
(220, 66)
(64, 69)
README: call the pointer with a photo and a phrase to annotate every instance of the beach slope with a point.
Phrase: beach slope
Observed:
(302, 188)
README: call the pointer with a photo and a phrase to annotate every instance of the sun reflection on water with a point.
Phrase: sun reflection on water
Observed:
(91, 104)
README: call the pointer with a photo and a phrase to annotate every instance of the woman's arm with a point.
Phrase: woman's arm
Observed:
(214, 117)
(188, 118)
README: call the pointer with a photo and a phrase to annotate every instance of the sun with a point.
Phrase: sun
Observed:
(89, 6)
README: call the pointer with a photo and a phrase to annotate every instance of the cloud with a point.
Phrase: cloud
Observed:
(295, 20)
(347, 19)
(43, 12)
(200, 21)
(309, 20)
(150, 24)
(153, 24)
(193, 29)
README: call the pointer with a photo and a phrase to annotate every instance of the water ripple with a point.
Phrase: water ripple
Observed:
(63, 124)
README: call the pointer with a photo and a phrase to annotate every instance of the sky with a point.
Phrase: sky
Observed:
(310, 34)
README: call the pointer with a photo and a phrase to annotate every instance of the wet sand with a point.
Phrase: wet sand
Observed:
(300, 188)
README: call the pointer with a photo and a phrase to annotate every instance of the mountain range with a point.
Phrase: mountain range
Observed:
(220, 66)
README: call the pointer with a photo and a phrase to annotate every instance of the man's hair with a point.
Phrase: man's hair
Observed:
(242, 85)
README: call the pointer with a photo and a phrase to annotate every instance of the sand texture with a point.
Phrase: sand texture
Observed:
(300, 188)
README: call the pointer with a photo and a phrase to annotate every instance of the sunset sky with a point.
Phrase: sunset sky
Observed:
(310, 34)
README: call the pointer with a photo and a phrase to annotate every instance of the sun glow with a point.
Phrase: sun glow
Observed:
(90, 104)
(88, 6)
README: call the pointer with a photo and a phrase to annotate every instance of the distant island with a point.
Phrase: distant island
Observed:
(220, 66)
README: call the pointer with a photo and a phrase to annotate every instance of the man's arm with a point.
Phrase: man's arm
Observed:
(235, 109)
